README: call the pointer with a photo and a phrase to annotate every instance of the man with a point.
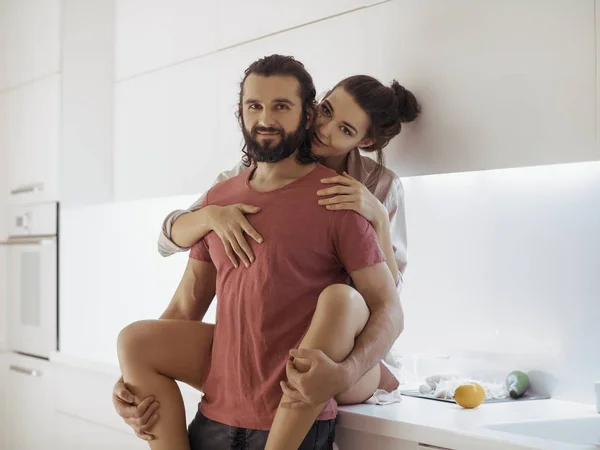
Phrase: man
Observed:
(287, 299)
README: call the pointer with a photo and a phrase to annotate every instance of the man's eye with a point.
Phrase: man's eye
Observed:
(282, 106)
(254, 106)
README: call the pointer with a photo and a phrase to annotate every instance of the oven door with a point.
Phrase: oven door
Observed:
(32, 295)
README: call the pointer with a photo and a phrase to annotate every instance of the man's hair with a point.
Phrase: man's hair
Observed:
(282, 65)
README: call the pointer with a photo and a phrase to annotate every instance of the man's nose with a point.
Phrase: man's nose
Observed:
(266, 118)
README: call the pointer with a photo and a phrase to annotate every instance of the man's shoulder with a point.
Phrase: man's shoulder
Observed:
(230, 186)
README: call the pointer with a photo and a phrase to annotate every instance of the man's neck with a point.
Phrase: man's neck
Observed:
(271, 176)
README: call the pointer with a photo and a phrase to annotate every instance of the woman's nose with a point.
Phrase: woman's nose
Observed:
(325, 129)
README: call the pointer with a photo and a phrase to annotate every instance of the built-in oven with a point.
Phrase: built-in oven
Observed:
(32, 278)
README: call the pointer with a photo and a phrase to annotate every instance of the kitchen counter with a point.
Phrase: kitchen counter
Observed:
(421, 420)
(449, 425)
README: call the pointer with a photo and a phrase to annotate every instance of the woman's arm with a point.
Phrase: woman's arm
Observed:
(393, 236)
(181, 229)
(387, 218)
(382, 228)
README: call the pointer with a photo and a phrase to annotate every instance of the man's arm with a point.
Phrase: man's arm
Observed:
(376, 284)
(194, 293)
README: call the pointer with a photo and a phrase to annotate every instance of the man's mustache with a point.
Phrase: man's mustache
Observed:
(256, 130)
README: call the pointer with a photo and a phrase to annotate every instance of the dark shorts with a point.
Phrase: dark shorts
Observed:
(206, 434)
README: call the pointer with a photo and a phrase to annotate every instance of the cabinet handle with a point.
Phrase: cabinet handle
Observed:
(29, 188)
(36, 240)
(26, 371)
(433, 447)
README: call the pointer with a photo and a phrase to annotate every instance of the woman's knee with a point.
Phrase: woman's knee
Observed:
(133, 339)
(341, 298)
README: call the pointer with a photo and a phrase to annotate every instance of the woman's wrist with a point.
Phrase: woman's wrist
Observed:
(381, 222)
(205, 216)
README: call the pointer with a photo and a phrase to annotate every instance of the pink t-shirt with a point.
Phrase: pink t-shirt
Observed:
(264, 311)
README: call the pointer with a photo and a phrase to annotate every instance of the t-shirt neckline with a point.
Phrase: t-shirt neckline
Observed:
(296, 181)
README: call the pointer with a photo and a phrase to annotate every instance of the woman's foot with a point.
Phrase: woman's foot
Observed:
(388, 381)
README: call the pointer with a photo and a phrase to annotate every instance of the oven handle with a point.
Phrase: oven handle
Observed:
(26, 371)
(40, 240)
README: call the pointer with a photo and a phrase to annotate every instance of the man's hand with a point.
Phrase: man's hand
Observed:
(139, 415)
(324, 380)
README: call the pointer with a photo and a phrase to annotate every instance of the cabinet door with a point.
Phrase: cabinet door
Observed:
(503, 84)
(32, 139)
(348, 439)
(29, 401)
(31, 40)
(3, 405)
(72, 433)
(242, 21)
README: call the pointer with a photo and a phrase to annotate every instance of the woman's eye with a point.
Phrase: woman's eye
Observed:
(346, 131)
(326, 110)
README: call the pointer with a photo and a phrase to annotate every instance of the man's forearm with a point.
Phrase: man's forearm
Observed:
(376, 339)
(190, 228)
(172, 313)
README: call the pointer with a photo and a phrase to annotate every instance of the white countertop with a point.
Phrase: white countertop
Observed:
(429, 421)
(449, 425)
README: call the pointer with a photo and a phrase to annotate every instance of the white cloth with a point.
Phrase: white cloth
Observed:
(381, 397)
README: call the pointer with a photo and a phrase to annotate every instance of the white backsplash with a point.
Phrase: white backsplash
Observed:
(503, 265)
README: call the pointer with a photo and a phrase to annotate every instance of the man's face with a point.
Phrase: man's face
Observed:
(272, 117)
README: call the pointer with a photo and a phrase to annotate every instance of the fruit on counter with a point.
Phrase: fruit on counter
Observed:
(517, 383)
(469, 395)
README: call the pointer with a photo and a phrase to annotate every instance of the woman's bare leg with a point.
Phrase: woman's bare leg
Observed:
(379, 377)
(155, 353)
(340, 316)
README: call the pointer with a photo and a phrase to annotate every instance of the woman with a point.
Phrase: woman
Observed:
(359, 112)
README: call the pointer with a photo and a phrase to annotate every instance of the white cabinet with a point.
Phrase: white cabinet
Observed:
(348, 439)
(166, 132)
(30, 40)
(75, 418)
(87, 95)
(503, 83)
(242, 21)
(73, 433)
(28, 403)
(154, 34)
(493, 96)
(3, 401)
(32, 136)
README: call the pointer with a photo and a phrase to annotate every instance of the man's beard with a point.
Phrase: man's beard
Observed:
(266, 152)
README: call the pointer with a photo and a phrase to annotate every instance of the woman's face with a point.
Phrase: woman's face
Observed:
(341, 125)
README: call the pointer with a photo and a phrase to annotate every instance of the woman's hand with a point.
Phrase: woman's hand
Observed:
(230, 224)
(352, 194)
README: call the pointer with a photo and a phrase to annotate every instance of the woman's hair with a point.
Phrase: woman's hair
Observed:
(388, 107)
(285, 66)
